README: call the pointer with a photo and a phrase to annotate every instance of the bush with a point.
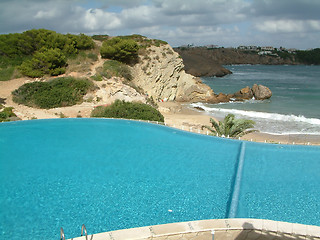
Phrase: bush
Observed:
(100, 37)
(60, 92)
(6, 114)
(123, 50)
(45, 61)
(128, 110)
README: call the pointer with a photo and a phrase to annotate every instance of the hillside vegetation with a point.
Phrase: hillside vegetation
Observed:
(309, 56)
(38, 52)
(60, 92)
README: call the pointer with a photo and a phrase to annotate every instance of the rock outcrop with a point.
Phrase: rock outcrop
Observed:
(258, 92)
(160, 73)
(244, 93)
(261, 92)
(113, 89)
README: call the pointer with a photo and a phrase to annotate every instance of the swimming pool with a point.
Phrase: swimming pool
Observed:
(113, 174)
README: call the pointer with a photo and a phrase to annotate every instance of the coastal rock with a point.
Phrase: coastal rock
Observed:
(244, 93)
(261, 92)
(160, 73)
(221, 97)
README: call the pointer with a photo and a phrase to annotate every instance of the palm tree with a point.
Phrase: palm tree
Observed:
(231, 127)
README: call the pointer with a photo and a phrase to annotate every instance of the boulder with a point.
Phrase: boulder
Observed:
(221, 97)
(261, 92)
(244, 93)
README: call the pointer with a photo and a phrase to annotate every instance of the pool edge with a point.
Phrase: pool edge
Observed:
(236, 228)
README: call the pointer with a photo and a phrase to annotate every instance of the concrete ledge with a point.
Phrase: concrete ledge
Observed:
(233, 229)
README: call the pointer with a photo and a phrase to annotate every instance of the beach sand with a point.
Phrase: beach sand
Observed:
(182, 116)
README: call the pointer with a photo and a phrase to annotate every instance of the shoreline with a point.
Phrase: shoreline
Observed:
(177, 114)
(181, 116)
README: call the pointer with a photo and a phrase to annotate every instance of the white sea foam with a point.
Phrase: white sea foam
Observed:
(260, 115)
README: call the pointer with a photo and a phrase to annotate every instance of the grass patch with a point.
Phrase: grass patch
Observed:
(8, 67)
(6, 73)
(92, 56)
(60, 92)
(128, 110)
(81, 62)
(111, 69)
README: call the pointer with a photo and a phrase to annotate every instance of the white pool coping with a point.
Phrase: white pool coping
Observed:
(236, 228)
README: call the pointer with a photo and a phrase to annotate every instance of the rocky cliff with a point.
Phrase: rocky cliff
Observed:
(160, 73)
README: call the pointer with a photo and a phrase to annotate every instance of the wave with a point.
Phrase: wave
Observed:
(253, 101)
(293, 133)
(261, 115)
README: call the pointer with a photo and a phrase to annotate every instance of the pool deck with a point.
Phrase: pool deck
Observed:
(223, 229)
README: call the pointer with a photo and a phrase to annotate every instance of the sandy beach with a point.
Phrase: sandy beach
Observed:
(182, 116)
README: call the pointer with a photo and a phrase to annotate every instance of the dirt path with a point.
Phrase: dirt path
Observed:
(96, 65)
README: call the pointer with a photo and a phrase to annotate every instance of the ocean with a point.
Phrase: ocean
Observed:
(294, 107)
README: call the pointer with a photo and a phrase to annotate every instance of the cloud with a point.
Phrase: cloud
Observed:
(98, 19)
(285, 9)
(288, 26)
(121, 3)
(224, 22)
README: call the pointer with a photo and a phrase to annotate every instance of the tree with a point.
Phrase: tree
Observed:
(123, 50)
(231, 127)
(45, 61)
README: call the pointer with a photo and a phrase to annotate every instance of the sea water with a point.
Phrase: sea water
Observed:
(294, 107)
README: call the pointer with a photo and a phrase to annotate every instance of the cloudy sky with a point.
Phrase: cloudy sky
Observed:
(228, 23)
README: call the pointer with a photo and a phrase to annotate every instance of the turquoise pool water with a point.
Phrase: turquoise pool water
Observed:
(114, 174)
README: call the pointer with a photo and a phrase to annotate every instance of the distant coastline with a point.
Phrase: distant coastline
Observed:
(205, 61)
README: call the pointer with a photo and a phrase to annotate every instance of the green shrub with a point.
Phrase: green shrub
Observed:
(59, 92)
(45, 61)
(97, 77)
(123, 50)
(100, 37)
(6, 113)
(128, 110)
(158, 42)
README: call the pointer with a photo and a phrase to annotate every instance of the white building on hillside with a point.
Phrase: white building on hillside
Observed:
(268, 48)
